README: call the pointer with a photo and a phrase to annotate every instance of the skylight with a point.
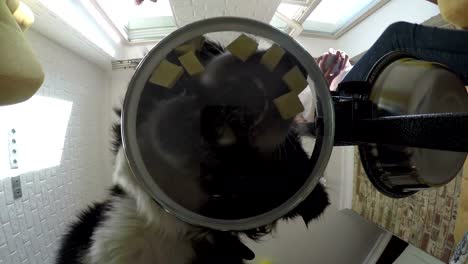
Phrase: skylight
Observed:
(331, 16)
(323, 18)
(291, 11)
(147, 22)
(279, 24)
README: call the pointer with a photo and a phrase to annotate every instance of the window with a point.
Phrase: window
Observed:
(148, 22)
(291, 11)
(323, 18)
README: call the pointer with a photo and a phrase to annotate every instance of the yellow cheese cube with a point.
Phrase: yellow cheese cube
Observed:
(272, 57)
(243, 47)
(295, 80)
(288, 105)
(191, 63)
(192, 45)
(166, 74)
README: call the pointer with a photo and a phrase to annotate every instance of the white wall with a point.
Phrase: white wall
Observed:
(63, 127)
(337, 237)
(67, 22)
(317, 46)
(120, 79)
(133, 51)
(361, 37)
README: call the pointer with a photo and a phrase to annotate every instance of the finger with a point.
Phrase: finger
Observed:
(323, 62)
(337, 58)
(329, 75)
(342, 63)
(317, 60)
(338, 54)
(338, 65)
(346, 60)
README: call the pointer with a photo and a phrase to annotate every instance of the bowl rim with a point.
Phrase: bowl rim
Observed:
(322, 149)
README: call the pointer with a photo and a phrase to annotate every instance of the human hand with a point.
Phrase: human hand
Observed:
(332, 64)
(138, 2)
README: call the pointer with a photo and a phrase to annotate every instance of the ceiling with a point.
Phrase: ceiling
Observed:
(317, 18)
(110, 25)
(323, 18)
(152, 21)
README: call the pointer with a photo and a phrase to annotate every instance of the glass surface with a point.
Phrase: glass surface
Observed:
(147, 21)
(291, 11)
(279, 24)
(332, 15)
(215, 142)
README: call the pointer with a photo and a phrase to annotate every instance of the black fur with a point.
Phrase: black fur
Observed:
(290, 159)
(251, 183)
(116, 133)
(77, 240)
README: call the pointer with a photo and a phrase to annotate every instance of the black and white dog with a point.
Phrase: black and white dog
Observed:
(247, 150)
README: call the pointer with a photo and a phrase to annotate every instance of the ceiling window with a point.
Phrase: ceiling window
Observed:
(291, 11)
(323, 18)
(148, 22)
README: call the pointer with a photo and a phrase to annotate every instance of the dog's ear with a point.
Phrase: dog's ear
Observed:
(312, 207)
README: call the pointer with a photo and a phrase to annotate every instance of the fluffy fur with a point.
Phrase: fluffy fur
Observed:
(240, 166)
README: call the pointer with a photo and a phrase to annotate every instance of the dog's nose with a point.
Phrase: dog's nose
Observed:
(226, 136)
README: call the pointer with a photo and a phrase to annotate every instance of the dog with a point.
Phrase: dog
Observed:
(248, 159)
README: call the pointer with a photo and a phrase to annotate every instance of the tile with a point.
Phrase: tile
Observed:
(71, 78)
(426, 219)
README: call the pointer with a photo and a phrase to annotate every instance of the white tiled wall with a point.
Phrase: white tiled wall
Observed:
(31, 227)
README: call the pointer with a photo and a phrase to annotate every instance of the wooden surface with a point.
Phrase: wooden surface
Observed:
(426, 220)
(461, 226)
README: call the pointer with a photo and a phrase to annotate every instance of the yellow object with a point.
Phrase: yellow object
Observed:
(295, 80)
(166, 74)
(192, 45)
(12, 5)
(243, 47)
(191, 63)
(272, 57)
(24, 16)
(454, 12)
(20, 72)
(288, 105)
(266, 261)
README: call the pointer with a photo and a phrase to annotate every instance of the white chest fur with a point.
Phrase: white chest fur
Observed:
(137, 230)
(126, 237)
